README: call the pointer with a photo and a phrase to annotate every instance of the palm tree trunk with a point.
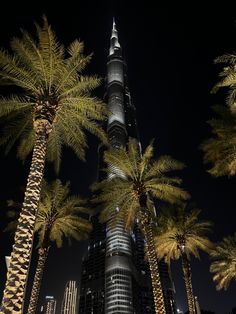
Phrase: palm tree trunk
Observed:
(153, 264)
(13, 295)
(188, 283)
(43, 254)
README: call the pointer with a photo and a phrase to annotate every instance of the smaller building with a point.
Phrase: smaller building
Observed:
(69, 303)
(49, 306)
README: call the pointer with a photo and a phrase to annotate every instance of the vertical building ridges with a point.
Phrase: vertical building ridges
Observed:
(92, 290)
(69, 303)
(118, 264)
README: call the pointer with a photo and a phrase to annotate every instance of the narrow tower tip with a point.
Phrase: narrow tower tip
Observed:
(114, 38)
(114, 23)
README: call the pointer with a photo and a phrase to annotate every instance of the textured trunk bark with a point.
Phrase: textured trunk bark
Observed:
(146, 228)
(188, 283)
(43, 254)
(13, 295)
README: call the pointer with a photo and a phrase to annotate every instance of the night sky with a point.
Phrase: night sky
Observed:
(169, 51)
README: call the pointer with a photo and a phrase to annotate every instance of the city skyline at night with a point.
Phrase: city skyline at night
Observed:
(169, 53)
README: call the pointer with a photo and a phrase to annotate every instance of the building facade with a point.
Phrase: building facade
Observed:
(69, 302)
(115, 274)
(49, 306)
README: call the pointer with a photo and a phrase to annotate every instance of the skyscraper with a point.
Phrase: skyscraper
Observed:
(49, 306)
(115, 275)
(69, 303)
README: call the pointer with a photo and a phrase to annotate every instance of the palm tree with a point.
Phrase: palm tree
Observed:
(133, 178)
(228, 78)
(220, 150)
(224, 262)
(57, 218)
(54, 107)
(180, 234)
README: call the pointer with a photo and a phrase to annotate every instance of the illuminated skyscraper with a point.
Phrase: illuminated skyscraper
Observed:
(50, 305)
(69, 303)
(115, 275)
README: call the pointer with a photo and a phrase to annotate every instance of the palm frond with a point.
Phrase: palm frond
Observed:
(14, 72)
(167, 192)
(46, 76)
(52, 54)
(16, 129)
(220, 150)
(81, 86)
(227, 78)
(73, 65)
(118, 162)
(176, 225)
(145, 160)
(130, 175)
(162, 165)
(58, 214)
(224, 262)
(14, 104)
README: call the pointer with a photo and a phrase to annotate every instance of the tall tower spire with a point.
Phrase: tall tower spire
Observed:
(114, 44)
(118, 271)
(115, 83)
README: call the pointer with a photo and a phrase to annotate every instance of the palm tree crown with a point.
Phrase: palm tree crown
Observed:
(132, 180)
(220, 149)
(134, 177)
(228, 78)
(224, 262)
(179, 235)
(178, 231)
(58, 215)
(53, 91)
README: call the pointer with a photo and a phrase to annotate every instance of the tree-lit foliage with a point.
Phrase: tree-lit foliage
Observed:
(224, 262)
(179, 235)
(53, 107)
(57, 219)
(133, 178)
(228, 78)
(52, 88)
(219, 150)
(177, 227)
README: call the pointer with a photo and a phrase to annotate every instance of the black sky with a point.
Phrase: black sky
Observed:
(169, 51)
